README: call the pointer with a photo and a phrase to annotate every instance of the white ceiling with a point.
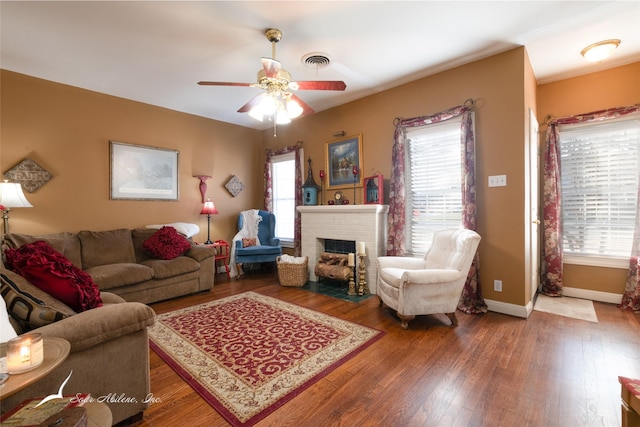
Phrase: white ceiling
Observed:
(155, 52)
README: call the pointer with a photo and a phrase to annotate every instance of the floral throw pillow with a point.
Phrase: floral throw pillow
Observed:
(53, 273)
(166, 243)
(248, 241)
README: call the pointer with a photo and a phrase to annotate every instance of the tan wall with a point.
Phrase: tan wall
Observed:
(67, 131)
(597, 91)
(497, 84)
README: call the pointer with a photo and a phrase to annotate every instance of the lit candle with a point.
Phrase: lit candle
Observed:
(351, 260)
(24, 353)
(361, 248)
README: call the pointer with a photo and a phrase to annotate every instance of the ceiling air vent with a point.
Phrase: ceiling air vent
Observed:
(316, 60)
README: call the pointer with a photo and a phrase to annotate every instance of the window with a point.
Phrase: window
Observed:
(599, 169)
(283, 173)
(434, 182)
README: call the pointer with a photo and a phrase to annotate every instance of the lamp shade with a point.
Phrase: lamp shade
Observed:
(208, 208)
(11, 196)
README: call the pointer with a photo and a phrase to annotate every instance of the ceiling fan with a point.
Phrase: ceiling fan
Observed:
(277, 103)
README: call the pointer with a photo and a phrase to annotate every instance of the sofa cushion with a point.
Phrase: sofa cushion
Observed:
(106, 247)
(65, 243)
(117, 275)
(166, 244)
(139, 235)
(50, 271)
(29, 306)
(163, 269)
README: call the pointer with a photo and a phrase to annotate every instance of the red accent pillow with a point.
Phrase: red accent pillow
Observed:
(166, 243)
(51, 272)
(247, 241)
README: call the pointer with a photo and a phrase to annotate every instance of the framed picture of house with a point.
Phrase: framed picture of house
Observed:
(139, 172)
(342, 157)
(373, 190)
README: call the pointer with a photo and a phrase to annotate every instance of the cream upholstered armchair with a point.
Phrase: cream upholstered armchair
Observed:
(433, 284)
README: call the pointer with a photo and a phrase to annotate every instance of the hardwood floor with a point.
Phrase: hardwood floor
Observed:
(491, 370)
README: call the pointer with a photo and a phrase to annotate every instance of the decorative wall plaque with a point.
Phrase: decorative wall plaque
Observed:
(30, 174)
(234, 186)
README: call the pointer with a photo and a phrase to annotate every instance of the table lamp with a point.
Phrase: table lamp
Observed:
(208, 209)
(11, 196)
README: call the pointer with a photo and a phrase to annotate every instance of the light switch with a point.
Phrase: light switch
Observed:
(498, 181)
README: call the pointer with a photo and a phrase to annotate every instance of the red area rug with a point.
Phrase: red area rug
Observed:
(249, 354)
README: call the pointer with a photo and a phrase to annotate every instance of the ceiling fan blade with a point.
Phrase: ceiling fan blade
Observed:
(271, 67)
(252, 103)
(305, 107)
(223, 84)
(318, 85)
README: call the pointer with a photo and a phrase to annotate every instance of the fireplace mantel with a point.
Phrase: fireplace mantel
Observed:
(358, 223)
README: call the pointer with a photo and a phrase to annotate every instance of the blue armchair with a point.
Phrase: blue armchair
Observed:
(268, 249)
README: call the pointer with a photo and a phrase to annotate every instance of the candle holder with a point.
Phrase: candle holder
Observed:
(321, 186)
(355, 174)
(363, 288)
(351, 263)
(24, 353)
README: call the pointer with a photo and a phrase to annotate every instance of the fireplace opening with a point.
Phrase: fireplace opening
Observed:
(339, 246)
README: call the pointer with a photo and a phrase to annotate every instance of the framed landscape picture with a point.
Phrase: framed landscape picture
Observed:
(139, 172)
(341, 157)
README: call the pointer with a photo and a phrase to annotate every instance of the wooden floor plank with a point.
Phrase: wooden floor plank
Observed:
(491, 370)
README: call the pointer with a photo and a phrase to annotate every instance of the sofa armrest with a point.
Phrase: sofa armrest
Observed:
(109, 298)
(92, 327)
(200, 252)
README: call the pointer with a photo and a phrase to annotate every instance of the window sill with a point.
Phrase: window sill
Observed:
(286, 243)
(595, 261)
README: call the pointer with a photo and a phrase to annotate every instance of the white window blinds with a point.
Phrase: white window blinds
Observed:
(283, 174)
(434, 182)
(599, 170)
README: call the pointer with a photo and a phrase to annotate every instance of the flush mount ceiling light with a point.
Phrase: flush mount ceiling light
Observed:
(598, 52)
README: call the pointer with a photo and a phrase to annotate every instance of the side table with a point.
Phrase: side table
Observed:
(56, 351)
(222, 255)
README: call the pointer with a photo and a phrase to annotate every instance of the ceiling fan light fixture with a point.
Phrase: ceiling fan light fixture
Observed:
(599, 51)
(293, 108)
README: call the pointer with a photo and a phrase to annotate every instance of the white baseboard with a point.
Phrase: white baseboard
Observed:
(525, 311)
(510, 309)
(592, 295)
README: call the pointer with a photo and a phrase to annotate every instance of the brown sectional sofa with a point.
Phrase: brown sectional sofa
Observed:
(109, 350)
(118, 264)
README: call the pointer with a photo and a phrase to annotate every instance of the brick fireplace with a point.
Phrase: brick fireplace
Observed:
(357, 223)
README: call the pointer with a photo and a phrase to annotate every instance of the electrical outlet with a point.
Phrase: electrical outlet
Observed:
(497, 285)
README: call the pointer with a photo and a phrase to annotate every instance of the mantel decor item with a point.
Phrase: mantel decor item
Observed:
(310, 188)
(374, 190)
(143, 173)
(341, 157)
(30, 174)
(234, 186)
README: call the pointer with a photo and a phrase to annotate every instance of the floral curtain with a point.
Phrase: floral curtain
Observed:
(552, 207)
(551, 269)
(471, 300)
(268, 189)
(631, 296)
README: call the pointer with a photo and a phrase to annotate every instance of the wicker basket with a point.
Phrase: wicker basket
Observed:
(291, 274)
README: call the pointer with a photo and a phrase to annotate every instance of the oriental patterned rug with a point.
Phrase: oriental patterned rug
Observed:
(249, 354)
